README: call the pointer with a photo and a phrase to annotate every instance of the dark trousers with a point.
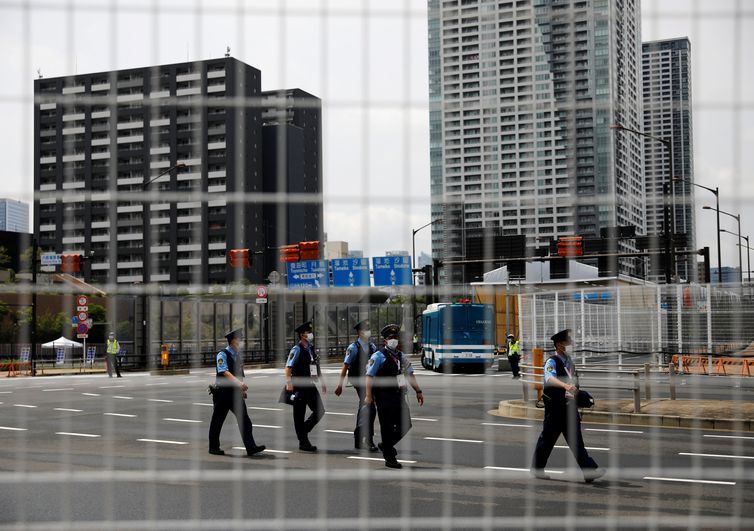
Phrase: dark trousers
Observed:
(395, 420)
(307, 397)
(514, 361)
(364, 418)
(111, 361)
(225, 400)
(561, 419)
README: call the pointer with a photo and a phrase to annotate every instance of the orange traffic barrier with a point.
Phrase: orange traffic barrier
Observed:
(538, 360)
(722, 366)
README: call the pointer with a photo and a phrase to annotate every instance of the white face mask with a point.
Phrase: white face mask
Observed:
(392, 344)
(310, 337)
(366, 334)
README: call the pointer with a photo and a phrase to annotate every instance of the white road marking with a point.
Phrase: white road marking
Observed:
(161, 441)
(112, 386)
(159, 400)
(91, 394)
(90, 435)
(202, 404)
(507, 425)
(161, 383)
(720, 456)
(613, 431)
(378, 459)
(194, 380)
(268, 426)
(24, 405)
(5, 392)
(730, 437)
(9, 428)
(424, 419)
(681, 480)
(266, 450)
(510, 469)
(61, 389)
(124, 397)
(258, 377)
(341, 414)
(68, 409)
(120, 415)
(183, 420)
(592, 448)
(266, 408)
(340, 431)
(453, 440)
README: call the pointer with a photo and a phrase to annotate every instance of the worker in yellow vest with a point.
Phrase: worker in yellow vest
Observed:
(111, 356)
(514, 355)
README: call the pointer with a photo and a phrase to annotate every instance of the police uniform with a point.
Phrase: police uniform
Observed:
(227, 396)
(358, 354)
(561, 415)
(514, 355)
(111, 356)
(389, 368)
(305, 371)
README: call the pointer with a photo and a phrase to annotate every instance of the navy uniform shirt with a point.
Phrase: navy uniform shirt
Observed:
(550, 370)
(352, 351)
(378, 358)
(222, 359)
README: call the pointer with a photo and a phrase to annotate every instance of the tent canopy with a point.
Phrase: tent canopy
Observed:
(62, 342)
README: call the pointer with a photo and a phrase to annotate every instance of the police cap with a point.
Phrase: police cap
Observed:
(361, 325)
(390, 330)
(234, 334)
(563, 335)
(511, 336)
(304, 328)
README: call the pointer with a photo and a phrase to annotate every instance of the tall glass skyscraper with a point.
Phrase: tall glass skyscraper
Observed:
(522, 96)
(14, 216)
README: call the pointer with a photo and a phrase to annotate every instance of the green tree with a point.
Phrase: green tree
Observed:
(25, 259)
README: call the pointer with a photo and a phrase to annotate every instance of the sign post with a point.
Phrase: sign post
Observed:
(81, 322)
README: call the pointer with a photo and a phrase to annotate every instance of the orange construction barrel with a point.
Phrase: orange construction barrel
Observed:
(538, 360)
(164, 356)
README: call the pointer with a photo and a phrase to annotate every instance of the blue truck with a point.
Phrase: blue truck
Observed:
(457, 335)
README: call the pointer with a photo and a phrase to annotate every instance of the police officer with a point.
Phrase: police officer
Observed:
(355, 363)
(229, 394)
(561, 412)
(302, 371)
(387, 374)
(514, 355)
(111, 360)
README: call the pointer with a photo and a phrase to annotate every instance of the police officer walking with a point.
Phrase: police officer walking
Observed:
(387, 374)
(514, 355)
(228, 394)
(355, 363)
(302, 372)
(561, 412)
(111, 356)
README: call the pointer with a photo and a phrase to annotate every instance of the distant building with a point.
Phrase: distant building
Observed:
(423, 260)
(355, 254)
(397, 253)
(14, 216)
(729, 275)
(336, 250)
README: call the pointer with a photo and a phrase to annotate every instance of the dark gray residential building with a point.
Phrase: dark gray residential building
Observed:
(100, 137)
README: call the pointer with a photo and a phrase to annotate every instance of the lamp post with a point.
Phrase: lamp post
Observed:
(668, 220)
(740, 245)
(715, 191)
(748, 253)
(413, 239)
(145, 270)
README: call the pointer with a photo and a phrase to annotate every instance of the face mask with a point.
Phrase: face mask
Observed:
(392, 344)
(310, 337)
(366, 334)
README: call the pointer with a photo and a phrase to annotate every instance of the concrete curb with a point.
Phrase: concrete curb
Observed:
(517, 409)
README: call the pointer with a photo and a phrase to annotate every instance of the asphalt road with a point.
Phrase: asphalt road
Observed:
(90, 452)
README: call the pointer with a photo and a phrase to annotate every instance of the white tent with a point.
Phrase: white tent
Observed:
(62, 342)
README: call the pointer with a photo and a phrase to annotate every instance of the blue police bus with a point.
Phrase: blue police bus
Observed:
(456, 335)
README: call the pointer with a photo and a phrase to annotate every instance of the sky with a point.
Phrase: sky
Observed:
(367, 60)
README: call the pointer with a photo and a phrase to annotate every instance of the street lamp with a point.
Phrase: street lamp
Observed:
(738, 219)
(668, 220)
(716, 191)
(413, 238)
(748, 254)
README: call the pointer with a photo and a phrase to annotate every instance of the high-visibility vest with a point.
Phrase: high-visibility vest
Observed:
(112, 346)
(513, 348)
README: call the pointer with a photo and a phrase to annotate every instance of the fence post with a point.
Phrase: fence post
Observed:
(637, 393)
(679, 306)
(709, 329)
(618, 323)
(671, 377)
(659, 326)
(525, 389)
(647, 390)
(583, 329)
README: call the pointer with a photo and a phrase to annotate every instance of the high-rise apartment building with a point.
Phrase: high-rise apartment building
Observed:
(668, 114)
(101, 138)
(522, 96)
(14, 216)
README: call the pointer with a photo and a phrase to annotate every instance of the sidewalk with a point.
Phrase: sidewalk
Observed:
(701, 414)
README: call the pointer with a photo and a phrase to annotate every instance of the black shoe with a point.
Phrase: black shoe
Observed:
(539, 473)
(593, 473)
(255, 450)
(372, 447)
(216, 451)
(393, 463)
(307, 447)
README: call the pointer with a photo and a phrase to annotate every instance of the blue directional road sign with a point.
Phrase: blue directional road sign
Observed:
(350, 272)
(392, 271)
(308, 274)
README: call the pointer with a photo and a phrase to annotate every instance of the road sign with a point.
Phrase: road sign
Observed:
(83, 300)
(308, 274)
(82, 336)
(392, 271)
(82, 308)
(75, 320)
(262, 301)
(83, 316)
(350, 272)
(51, 259)
(261, 292)
(81, 328)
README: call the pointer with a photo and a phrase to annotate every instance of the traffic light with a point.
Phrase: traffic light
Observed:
(239, 258)
(570, 246)
(70, 263)
(309, 250)
(289, 253)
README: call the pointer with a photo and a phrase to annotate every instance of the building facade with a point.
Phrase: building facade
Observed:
(668, 114)
(106, 148)
(14, 216)
(522, 96)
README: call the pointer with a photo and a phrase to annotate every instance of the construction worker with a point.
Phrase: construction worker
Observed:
(111, 355)
(514, 355)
